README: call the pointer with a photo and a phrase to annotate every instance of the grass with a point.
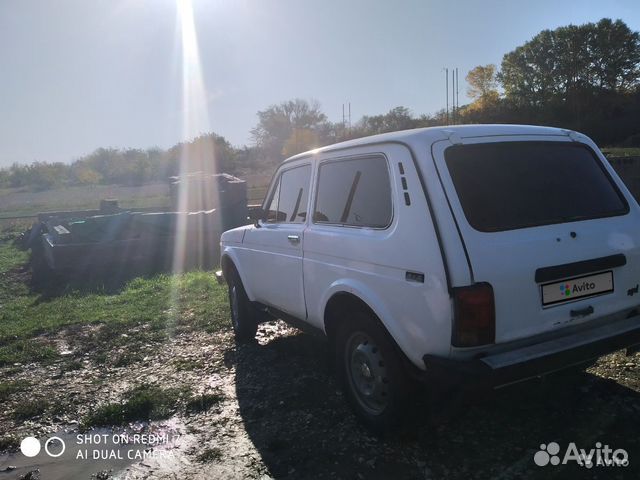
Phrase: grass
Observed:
(29, 409)
(71, 366)
(10, 258)
(23, 351)
(155, 307)
(102, 325)
(204, 402)
(9, 388)
(144, 403)
(621, 151)
(141, 403)
(9, 442)
(15, 202)
(187, 364)
(127, 358)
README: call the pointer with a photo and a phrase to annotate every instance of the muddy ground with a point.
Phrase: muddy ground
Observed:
(280, 414)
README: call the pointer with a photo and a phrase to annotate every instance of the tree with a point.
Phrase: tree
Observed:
(300, 140)
(209, 153)
(277, 124)
(482, 82)
(5, 178)
(398, 118)
(83, 174)
(39, 175)
(571, 63)
(615, 55)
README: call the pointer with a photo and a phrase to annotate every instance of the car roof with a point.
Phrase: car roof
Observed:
(431, 134)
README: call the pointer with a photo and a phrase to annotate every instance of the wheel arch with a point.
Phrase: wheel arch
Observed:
(228, 264)
(342, 301)
(333, 311)
(350, 292)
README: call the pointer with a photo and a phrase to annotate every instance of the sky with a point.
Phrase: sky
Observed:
(76, 75)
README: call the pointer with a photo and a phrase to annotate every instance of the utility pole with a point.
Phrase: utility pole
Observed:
(453, 96)
(446, 82)
(346, 118)
(457, 91)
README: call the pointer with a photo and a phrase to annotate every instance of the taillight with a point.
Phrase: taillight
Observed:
(474, 320)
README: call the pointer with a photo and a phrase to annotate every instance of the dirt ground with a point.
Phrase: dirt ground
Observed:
(281, 415)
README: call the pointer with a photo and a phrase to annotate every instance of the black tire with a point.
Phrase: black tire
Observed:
(243, 318)
(371, 372)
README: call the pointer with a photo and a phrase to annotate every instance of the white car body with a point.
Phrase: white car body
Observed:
(405, 273)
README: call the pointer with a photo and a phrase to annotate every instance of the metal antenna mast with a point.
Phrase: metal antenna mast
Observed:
(446, 82)
(453, 96)
(457, 91)
(346, 117)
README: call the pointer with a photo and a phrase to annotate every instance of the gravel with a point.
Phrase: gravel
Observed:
(279, 414)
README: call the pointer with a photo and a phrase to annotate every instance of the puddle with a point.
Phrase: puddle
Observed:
(70, 455)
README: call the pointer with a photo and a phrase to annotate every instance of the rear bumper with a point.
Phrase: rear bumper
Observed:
(511, 365)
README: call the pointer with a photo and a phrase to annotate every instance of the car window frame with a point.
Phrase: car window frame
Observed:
(347, 158)
(277, 178)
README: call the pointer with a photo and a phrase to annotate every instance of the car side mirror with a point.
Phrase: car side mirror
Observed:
(255, 215)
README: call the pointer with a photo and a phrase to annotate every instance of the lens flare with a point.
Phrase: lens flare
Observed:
(197, 156)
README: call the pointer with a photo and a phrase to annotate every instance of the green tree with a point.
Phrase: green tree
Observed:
(572, 62)
(209, 153)
(615, 56)
(39, 175)
(398, 118)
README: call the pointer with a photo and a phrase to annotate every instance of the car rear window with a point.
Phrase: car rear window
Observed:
(510, 185)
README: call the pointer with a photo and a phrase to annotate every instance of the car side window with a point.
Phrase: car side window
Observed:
(290, 196)
(354, 192)
(271, 213)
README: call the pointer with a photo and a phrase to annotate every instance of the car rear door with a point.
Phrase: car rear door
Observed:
(548, 224)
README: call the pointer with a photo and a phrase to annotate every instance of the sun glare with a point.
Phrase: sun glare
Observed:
(190, 239)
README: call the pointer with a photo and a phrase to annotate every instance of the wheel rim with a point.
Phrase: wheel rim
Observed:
(233, 300)
(367, 373)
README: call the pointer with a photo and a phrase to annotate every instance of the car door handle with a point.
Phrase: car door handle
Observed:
(294, 238)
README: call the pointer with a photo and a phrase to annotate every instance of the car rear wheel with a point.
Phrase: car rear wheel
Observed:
(371, 372)
(243, 321)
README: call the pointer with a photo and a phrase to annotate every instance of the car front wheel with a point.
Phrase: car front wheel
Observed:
(242, 318)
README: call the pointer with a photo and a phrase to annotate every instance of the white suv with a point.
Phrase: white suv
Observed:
(476, 255)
